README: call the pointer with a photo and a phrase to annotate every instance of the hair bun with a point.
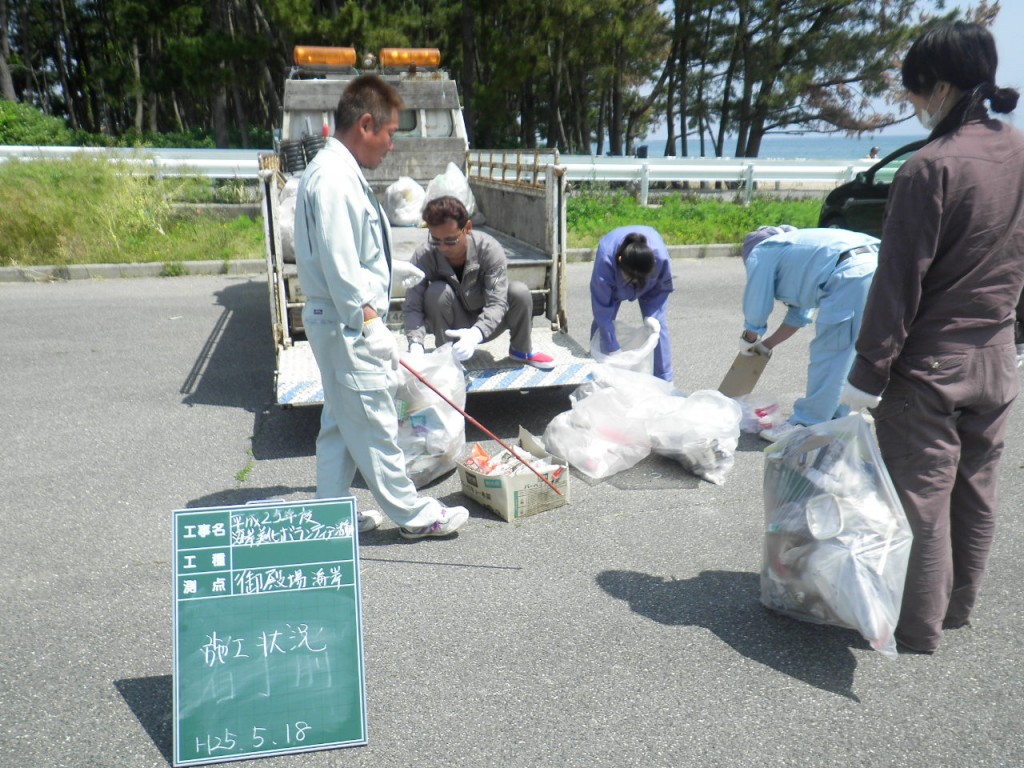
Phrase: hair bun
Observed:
(1003, 100)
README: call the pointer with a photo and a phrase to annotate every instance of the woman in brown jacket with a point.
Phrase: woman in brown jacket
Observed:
(936, 353)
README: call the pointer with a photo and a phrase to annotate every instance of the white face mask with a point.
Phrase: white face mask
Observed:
(930, 119)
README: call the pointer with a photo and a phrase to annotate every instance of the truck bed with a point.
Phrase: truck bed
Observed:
(489, 370)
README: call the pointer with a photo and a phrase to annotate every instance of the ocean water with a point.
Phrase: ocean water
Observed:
(804, 146)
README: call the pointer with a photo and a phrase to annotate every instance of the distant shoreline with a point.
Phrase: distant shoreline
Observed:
(804, 146)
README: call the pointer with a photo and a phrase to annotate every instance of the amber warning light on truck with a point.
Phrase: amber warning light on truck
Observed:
(322, 56)
(410, 57)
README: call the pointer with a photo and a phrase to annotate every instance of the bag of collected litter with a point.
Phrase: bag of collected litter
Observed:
(452, 182)
(286, 200)
(621, 415)
(600, 436)
(430, 432)
(636, 347)
(701, 432)
(837, 540)
(642, 387)
(760, 412)
(403, 202)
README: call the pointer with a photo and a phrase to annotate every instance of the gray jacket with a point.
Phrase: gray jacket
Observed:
(483, 288)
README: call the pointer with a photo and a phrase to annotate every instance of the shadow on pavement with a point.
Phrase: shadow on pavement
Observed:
(727, 604)
(151, 701)
(236, 496)
(504, 412)
(235, 366)
(285, 433)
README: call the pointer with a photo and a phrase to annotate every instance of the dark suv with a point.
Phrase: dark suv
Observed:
(860, 204)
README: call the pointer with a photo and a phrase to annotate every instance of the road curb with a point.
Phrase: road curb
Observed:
(674, 251)
(111, 271)
(51, 274)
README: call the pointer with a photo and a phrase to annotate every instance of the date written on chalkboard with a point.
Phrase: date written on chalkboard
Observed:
(287, 735)
(268, 639)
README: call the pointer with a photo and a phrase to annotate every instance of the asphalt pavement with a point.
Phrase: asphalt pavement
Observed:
(623, 629)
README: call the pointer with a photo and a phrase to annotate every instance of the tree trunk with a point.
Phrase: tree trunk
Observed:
(7, 91)
(468, 66)
(615, 116)
(137, 92)
(61, 54)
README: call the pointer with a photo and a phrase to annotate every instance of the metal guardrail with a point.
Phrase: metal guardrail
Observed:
(212, 163)
(746, 173)
(521, 165)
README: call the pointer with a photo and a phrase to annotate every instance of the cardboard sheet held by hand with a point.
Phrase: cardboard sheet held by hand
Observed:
(743, 375)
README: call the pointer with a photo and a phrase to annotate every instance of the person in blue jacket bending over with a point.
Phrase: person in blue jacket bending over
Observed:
(806, 269)
(632, 264)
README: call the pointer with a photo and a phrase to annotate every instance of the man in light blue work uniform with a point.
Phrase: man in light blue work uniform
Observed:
(632, 264)
(343, 255)
(806, 269)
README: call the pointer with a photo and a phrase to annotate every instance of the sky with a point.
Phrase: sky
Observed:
(1010, 73)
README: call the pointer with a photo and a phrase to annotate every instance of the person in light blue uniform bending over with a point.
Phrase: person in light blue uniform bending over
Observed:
(632, 264)
(828, 270)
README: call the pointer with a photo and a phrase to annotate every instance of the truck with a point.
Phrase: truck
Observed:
(520, 197)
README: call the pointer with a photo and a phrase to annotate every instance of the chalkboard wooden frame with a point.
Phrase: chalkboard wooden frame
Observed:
(268, 640)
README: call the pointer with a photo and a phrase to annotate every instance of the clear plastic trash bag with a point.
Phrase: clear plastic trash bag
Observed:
(452, 182)
(837, 541)
(636, 347)
(403, 202)
(431, 433)
(701, 432)
(621, 416)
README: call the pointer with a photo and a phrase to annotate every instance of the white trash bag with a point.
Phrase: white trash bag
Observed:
(452, 182)
(620, 416)
(760, 412)
(286, 200)
(636, 346)
(837, 541)
(599, 436)
(430, 432)
(403, 202)
(701, 432)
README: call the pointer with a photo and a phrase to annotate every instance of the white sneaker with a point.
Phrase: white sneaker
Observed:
(369, 519)
(450, 520)
(774, 434)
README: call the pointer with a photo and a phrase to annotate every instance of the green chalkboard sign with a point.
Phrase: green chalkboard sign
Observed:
(268, 640)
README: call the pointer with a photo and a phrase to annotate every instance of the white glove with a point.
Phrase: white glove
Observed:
(654, 325)
(468, 339)
(858, 399)
(415, 348)
(1020, 354)
(381, 341)
(406, 273)
(755, 347)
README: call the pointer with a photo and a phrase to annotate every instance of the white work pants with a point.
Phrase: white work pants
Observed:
(359, 424)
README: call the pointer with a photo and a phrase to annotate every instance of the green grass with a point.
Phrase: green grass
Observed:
(98, 211)
(682, 219)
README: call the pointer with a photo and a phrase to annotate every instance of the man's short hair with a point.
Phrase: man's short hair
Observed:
(445, 208)
(366, 94)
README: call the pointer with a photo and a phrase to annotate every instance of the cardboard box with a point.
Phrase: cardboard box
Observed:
(742, 376)
(515, 496)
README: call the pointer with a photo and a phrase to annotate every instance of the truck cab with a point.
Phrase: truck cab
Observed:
(520, 198)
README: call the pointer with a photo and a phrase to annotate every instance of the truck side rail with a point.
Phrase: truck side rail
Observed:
(522, 193)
